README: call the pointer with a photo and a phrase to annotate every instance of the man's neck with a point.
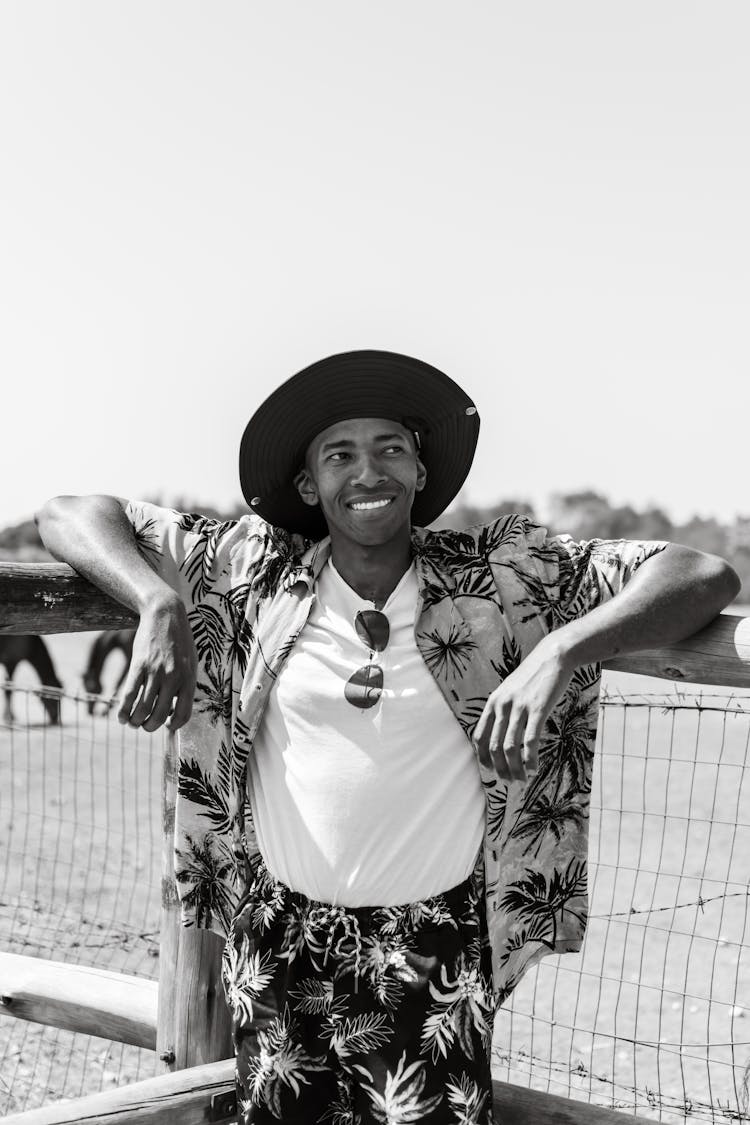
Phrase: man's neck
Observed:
(373, 572)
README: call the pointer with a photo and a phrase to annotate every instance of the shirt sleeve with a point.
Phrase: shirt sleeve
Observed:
(592, 571)
(211, 564)
(208, 562)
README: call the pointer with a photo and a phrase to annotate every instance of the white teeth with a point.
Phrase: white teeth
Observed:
(365, 505)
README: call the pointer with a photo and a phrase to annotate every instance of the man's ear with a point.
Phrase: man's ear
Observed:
(421, 475)
(305, 485)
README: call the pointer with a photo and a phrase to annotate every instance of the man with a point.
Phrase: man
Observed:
(384, 777)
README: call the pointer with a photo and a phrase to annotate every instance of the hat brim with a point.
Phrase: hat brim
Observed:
(360, 384)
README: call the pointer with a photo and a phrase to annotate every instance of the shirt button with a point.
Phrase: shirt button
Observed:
(259, 687)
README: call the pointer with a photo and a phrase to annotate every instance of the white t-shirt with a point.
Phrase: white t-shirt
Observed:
(356, 807)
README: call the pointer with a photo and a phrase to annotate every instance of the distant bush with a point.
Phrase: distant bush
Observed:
(22, 542)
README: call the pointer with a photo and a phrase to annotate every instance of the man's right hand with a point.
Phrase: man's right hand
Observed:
(161, 681)
(93, 535)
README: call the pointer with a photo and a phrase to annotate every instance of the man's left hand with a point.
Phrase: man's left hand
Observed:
(510, 727)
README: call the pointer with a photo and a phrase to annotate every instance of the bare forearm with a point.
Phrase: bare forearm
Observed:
(93, 535)
(671, 596)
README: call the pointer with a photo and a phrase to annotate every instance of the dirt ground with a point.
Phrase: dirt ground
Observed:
(654, 1014)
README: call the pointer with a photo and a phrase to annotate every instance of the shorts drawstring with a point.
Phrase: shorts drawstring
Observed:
(331, 917)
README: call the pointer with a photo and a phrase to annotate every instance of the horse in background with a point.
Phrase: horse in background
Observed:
(32, 649)
(112, 640)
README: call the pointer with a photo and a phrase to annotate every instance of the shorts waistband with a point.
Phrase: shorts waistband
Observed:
(452, 900)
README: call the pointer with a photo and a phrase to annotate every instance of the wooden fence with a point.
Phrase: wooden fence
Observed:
(184, 1018)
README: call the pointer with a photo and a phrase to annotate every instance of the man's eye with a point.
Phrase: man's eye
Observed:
(394, 449)
(340, 456)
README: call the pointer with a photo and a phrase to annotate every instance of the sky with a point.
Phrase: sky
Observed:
(550, 202)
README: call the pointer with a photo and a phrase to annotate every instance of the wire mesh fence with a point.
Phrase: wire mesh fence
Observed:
(653, 1016)
(79, 881)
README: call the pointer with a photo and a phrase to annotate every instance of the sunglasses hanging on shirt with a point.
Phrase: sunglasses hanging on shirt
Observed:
(364, 687)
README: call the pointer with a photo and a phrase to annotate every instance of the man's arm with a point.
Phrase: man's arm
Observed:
(94, 536)
(671, 595)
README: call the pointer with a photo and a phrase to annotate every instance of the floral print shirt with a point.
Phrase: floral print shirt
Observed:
(487, 596)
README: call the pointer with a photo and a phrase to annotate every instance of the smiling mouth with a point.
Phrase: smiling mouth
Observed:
(369, 505)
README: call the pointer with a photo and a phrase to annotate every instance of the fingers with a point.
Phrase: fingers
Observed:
(182, 709)
(490, 734)
(153, 701)
(482, 732)
(133, 685)
(145, 702)
(161, 708)
(497, 739)
(531, 742)
(507, 740)
(510, 744)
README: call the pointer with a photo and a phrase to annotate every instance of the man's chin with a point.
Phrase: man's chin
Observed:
(370, 529)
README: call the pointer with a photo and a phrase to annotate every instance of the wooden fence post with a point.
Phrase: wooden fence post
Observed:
(193, 1021)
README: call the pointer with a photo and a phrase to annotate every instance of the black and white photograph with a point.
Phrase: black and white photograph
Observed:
(375, 562)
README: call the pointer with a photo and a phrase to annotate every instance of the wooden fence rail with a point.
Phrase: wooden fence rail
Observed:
(52, 598)
(79, 998)
(192, 1021)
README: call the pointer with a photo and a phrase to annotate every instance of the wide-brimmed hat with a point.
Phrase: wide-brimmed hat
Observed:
(361, 384)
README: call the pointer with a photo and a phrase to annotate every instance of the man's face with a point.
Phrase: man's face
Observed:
(364, 473)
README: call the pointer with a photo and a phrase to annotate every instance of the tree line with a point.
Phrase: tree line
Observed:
(583, 515)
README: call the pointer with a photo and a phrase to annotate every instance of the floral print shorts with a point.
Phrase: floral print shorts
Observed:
(352, 1016)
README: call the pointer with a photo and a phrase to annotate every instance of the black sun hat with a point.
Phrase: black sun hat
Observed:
(360, 384)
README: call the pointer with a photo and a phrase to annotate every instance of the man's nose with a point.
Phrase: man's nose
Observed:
(368, 472)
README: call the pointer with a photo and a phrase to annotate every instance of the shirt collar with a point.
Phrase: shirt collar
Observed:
(312, 561)
(309, 565)
(431, 559)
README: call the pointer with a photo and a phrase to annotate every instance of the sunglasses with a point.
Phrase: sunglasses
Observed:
(364, 687)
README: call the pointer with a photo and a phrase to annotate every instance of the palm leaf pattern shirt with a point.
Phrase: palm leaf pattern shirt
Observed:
(487, 596)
